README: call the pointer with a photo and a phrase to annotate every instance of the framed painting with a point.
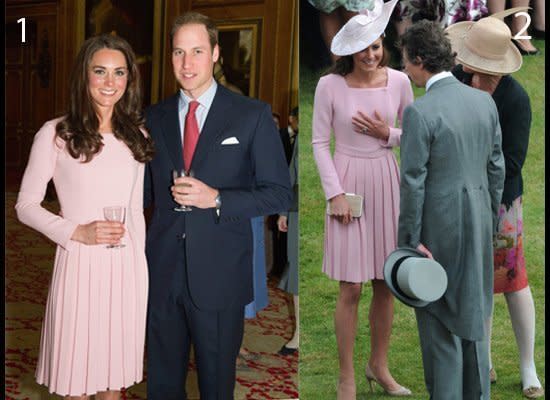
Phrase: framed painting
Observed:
(238, 65)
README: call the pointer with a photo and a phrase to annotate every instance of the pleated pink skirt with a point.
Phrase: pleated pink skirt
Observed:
(93, 334)
(356, 252)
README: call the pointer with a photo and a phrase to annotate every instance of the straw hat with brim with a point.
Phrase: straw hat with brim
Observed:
(485, 46)
(363, 29)
(413, 278)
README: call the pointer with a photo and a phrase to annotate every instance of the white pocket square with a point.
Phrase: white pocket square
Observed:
(230, 140)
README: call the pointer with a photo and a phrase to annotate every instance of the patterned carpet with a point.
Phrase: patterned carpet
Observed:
(28, 264)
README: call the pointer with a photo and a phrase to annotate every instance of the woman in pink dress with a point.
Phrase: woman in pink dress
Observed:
(93, 332)
(359, 100)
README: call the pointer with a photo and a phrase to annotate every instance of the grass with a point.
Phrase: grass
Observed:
(318, 355)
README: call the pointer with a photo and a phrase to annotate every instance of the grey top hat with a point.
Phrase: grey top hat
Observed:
(413, 278)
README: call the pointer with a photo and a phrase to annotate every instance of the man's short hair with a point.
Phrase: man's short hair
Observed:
(193, 17)
(427, 43)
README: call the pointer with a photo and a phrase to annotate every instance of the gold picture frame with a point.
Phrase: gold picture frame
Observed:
(239, 60)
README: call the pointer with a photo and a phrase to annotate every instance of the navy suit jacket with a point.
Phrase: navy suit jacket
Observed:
(252, 178)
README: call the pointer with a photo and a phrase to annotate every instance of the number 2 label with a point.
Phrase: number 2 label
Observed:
(527, 23)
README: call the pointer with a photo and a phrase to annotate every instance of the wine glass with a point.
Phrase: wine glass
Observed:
(117, 214)
(177, 174)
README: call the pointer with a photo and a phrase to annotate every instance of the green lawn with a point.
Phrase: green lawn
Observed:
(318, 356)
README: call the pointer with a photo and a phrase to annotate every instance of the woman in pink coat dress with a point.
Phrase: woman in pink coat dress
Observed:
(359, 100)
(93, 332)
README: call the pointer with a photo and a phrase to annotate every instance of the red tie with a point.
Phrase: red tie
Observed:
(191, 135)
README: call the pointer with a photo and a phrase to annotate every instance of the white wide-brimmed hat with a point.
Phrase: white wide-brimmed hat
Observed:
(363, 29)
(413, 278)
(485, 45)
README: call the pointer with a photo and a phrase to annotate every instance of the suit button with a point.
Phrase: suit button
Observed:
(183, 235)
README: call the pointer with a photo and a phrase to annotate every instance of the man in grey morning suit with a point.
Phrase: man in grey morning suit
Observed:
(452, 175)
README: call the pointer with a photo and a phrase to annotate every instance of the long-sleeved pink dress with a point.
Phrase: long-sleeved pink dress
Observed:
(93, 332)
(362, 165)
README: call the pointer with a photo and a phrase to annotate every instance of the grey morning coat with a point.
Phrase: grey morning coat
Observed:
(452, 176)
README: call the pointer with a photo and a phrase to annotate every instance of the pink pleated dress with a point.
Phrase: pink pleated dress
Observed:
(362, 165)
(93, 334)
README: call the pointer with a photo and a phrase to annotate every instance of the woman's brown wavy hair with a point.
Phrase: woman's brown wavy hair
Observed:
(80, 127)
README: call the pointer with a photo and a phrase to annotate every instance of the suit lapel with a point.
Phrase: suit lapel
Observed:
(213, 126)
(171, 130)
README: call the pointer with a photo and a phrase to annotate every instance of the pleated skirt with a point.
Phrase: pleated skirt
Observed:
(93, 334)
(356, 252)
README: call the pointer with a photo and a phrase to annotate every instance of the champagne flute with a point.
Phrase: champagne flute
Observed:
(117, 214)
(177, 174)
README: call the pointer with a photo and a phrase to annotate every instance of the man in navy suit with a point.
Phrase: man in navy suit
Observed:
(200, 261)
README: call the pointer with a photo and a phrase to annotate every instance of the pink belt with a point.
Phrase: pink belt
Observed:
(362, 152)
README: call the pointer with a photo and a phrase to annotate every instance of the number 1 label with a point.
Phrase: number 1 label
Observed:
(22, 21)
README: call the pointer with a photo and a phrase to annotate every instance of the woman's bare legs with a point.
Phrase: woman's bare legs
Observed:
(495, 6)
(108, 395)
(381, 319)
(293, 343)
(345, 321)
(538, 15)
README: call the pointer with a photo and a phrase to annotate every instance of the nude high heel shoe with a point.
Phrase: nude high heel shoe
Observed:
(402, 391)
